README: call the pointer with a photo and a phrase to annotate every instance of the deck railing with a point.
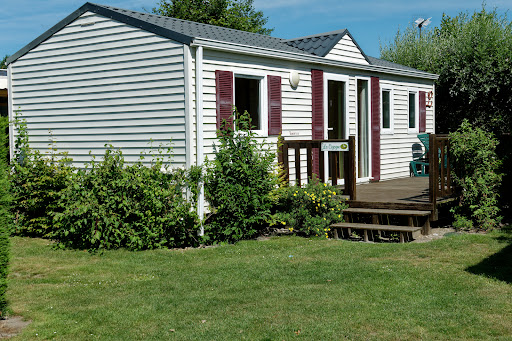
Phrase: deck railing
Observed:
(315, 162)
(440, 180)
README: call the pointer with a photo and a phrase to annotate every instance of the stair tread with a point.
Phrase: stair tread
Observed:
(387, 211)
(378, 227)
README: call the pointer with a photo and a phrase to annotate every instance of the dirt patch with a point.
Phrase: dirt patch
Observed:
(437, 233)
(12, 326)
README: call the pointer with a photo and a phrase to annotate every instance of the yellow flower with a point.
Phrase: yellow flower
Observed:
(294, 194)
(291, 229)
(334, 193)
(284, 223)
(325, 185)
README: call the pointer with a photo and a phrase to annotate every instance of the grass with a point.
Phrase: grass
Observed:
(280, 289)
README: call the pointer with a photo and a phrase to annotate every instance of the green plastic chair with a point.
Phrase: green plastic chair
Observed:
(419, 164)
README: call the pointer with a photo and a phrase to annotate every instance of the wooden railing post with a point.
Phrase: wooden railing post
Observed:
(350, 171)
(433, 177)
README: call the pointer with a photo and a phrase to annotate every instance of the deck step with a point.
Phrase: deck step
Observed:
(390, 205)
(403, 230)
(377, 227)
(411, 213)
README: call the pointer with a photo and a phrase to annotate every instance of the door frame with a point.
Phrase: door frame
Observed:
(369, 114)
(339, 78)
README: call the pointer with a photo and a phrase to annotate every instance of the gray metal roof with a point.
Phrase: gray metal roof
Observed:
(186, 31)
(198, 30)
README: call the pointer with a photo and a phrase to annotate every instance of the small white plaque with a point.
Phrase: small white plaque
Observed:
(334, 146)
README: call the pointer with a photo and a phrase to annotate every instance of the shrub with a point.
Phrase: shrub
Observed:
(111, 205)
(238, 184)
(37, 183)
(5, 218)
(308, 210)
(476, 174)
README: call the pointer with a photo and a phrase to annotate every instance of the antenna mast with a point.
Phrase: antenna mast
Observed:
(420, 22)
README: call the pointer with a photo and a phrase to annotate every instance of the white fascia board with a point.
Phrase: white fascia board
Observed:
(250, 50)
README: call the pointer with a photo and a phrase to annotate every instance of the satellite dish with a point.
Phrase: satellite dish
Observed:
(420, 22)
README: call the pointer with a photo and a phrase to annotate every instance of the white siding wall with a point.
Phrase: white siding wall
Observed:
(102, 83)
(296, 103)
(396, 149)
(346, 51)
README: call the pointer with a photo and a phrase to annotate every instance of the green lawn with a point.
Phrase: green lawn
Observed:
(285, 288)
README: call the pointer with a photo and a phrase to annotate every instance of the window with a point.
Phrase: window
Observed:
(247, 98)
(386, 110)
(252, 91)
(413, 117)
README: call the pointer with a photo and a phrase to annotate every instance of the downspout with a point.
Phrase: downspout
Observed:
(199, 130)
(10, 111)
(187, 63)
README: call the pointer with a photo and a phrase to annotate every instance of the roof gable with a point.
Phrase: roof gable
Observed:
(322, 44)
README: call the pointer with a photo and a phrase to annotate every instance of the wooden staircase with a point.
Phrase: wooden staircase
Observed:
(382, 220)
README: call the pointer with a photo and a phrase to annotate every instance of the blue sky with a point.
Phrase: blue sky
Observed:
(370, 21)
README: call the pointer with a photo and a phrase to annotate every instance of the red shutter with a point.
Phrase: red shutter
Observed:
(224, 94)
(317, 94)
(375, 107)
(274, 105)
(423, 112)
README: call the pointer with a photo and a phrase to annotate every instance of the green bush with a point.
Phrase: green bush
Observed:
(5, 218)
(238, 184)
(108, 204)
(113, 205)
(476, 175)
(308, 210)
(37, 183)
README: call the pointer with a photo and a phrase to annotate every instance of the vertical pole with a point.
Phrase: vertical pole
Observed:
(433, 178)
(297, 165)
(286, 165)
(309, 160)
(199, 130)
(448, 169)
(352, 168)
(322, 163)
(333, 159)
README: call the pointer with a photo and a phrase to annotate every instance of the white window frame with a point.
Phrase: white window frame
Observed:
(390, 130)
(263, 106)
(416, 128)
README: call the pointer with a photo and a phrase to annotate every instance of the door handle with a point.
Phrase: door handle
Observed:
(330, 128)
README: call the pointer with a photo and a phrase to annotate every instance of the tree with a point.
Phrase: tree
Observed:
(236, 14)
(473, 56)
(3, 64)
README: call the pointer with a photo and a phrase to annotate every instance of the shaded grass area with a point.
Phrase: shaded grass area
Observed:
(279, 289)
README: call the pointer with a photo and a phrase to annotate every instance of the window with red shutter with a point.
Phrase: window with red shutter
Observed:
(224, 96)
(423, 112)
(274, 105)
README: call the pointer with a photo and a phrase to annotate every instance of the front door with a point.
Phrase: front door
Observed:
(336, 118)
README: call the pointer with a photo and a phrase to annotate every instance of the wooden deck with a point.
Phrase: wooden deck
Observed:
(404, 206)
(405, 193)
